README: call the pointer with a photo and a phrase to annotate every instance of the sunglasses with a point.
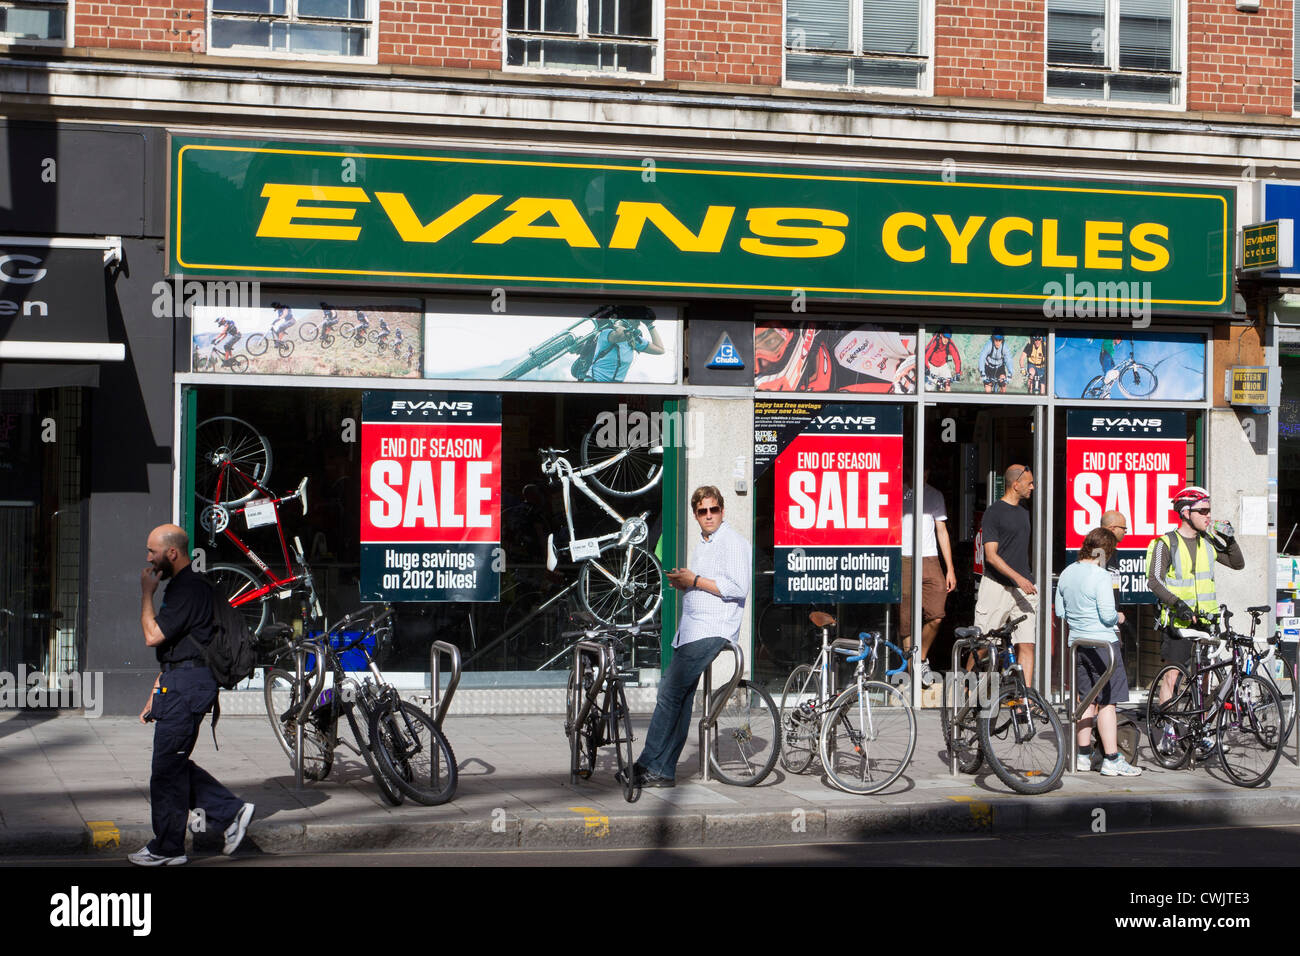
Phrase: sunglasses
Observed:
(1199, 511)
(715, 509)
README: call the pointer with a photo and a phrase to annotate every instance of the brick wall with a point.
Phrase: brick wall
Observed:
(989, 49)
(163, 25)
(723, 41)
(439, 33)
(1239, 62)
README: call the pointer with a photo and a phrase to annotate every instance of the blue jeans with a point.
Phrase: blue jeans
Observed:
(671, 723)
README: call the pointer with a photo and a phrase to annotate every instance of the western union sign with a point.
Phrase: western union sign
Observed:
(1248, 385)
(313, 212)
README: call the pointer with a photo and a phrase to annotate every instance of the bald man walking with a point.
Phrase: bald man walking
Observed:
(1007, 589)
(183, 693)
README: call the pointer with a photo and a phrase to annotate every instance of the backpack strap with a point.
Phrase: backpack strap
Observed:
(216, 706)
(609, 347)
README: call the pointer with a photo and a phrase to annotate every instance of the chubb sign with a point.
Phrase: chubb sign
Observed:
(526, 220)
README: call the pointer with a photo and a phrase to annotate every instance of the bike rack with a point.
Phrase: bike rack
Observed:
(582, 704)
(710, 720)
(950, 687)
(308, 701)
(1076, 715)
(438, 702)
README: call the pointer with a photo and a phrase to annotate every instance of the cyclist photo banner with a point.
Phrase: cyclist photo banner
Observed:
(839, 491)
(1131, 366)
(430, 496)
(1126, 460)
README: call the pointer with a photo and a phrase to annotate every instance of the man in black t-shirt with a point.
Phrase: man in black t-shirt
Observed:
(182, 694)
(1007, 589)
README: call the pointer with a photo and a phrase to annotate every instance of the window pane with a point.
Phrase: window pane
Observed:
(515, 10)
(811, 68)
(570, 55)
(1082, 86)
(327, 40)
(817, 25)
(248, 6)
(891, 26)
(1076, 32)
(870, 72)
(230, 34)
(523, 52)
(1141, 89)
(29, 24)
(342, 9)
(561, 16)
(629, 18)
(1146, 35)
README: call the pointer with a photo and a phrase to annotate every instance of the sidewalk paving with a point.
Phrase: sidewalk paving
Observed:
(71, 785)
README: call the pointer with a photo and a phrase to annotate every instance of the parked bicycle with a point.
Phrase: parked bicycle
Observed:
(989, 715)
(596, 711)
(1215, 709)
(232, 467)
(1270, 665)
(1134, 380)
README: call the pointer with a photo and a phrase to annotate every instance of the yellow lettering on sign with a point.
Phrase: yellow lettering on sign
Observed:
(521, 224)
(408, 224)
(998, 240)
(282, 209)
(959, 241)
(889, 236)
(632, 217)
(768, 223)
(1140, 237)
(1094, 245)
(1051, 258)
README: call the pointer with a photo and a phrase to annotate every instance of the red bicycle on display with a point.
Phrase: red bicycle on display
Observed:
(232, 470)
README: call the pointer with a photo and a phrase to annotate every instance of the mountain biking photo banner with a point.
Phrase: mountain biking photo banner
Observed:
(430, 496)
(1126, 460)
(839, 493)
(1131, 366)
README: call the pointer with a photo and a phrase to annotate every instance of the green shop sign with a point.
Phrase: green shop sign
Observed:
(355, 213)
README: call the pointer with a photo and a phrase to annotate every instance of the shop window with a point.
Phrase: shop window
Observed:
(327, 28)
(589, 36)
(857, 43)
(34, 21)
(1117, 51)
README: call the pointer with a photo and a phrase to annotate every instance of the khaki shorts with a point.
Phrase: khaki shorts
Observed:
(934, 594)
(996, 603)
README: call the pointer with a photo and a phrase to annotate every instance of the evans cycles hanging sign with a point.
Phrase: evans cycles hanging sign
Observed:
(309, 211)
(430, 496)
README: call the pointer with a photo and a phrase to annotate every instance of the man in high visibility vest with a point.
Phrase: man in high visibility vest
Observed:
(1180, 573)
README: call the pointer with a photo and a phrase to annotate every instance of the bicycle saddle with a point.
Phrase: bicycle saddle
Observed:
(1261, 609)
(821, 619)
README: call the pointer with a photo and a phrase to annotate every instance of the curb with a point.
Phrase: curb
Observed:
(630, 829)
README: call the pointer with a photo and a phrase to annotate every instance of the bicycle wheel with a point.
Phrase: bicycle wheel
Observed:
(799, 730)
(1250, 737)
(326, 340)
(373, 336)
(746, 738)
(1096, 388)
(234, 583)
(620, 735)
(1170, 724)
(239, 363)
(413, 752)
(1024, 742)
(621, 587)
(583, 748)
(282, 702)
(346, 329)
(359, 720)
(256, 344)
(960, 733)
(307, 331)
(284, 347)
(546, 353)
(232, 450)
(1136, 381)
(636, 472)
(868, 737)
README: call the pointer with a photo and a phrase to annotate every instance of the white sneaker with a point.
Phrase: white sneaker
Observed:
(238, 827)
(1119, 767)
(928, 677)
(145, 857)
(1083, 763)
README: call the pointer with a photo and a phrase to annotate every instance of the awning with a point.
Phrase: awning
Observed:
(53, 309)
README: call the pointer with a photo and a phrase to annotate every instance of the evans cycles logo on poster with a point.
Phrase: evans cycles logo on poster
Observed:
(839, 493)
(430, 496)
(1126, 461)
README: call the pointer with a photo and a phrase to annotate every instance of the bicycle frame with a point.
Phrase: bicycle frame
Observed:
(582, 548)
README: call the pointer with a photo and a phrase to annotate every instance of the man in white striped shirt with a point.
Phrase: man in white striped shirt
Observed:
(712, 608)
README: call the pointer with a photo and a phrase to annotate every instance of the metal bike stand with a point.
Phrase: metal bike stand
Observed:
(709, 720)
(439, 703)
(842, 644)
(582, 704)
(1076, 714)
(950, 686)
(308, 701)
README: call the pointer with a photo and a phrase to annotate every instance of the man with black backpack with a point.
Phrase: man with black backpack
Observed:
(184, 692)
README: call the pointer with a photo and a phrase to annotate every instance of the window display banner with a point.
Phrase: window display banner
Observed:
(815, 357)
(430, 496)
(1131, 462)
(839, 519)
(1131, 366)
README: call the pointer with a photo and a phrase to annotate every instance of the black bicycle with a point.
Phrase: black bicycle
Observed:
(596, 712)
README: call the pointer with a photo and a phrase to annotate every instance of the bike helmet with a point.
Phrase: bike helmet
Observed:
(1189, 496)
(221, 320)
(997, 335)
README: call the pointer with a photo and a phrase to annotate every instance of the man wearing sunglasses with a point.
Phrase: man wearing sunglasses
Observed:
(715, 589)
(1180, 572)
